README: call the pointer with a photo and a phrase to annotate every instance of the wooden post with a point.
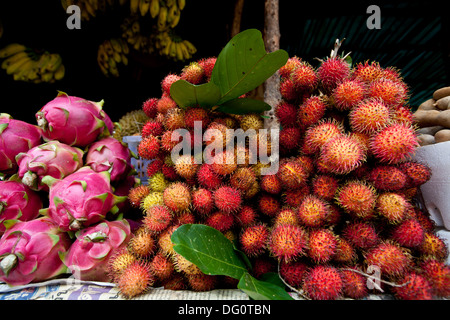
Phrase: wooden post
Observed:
(237, 17)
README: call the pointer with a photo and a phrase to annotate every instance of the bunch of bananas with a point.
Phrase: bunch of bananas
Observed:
(131, 32)
(89, 8)
(167, 12)
(110, 54)
(26, 65)
(174, 47)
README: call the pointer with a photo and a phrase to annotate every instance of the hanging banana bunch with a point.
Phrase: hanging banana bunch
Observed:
(110, 54)
(132, 34)
(24, 64)
(173, 47)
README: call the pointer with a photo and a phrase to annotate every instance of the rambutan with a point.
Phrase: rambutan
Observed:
(149, 107)
(317, 135)
(165, 243)
(294, 197)
(417, 173)
(358, 198)
(342, 154)
(227, 199)
(311, 111)
(322, 245)
(253, 239)
(193, 73)
(246, 216)
(438, 275)
(243, 178)
(142, 245)
(152, 127)
(268, 204)
(361, 235)
(323, 282)
(137, 194)
(252, 121)
(157, 182)
(392, 206)
(387, 178)
(157, 218)
(185, 217)
(413, 286)
(390, 258)
(287, 242)
(183, 265)
(118, 262)
(345, 252)
(207, 178)
(135, 280)
(207, 64)
(408, 233)
(369, 116)
(224, 163)
(393, 93)
(203, 201)
(293, 272)
(186, 167)
(167, 143)
(288, 90)
(196, 114)
(291, 174)
(286, 216)
(403, 114)
(176, 282)
(177, 197)
(161, 267)
(286, 114)
(394, 143)
(333, 71)
(262, 265)
(286, 70)
(174, 119)
(167, 82)
(148, 147)
(433, 247)
(355, 284)
(348, 94)
(152, 199)
(154, 166)
(290, 138)
(271, 184)
(169, 172)
(201, 282)
(367, 72)
(325, 186)
(164, 104)
(304, 76)
(220, 220)
(313, 211)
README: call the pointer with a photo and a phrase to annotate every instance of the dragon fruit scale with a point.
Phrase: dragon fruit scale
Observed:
(52, 158)
(17, 202)
(88, 256)
(73, 121)
(30, 252)
(80, 199)
(15, 136)
(109, 154)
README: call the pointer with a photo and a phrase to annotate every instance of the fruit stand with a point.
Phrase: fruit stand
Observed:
(209, 191)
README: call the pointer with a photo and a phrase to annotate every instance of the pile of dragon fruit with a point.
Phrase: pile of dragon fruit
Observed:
(63, 191)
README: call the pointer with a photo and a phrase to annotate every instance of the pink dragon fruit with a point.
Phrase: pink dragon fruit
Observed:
(73, 121)
(52, 158)
(17, 202)
(109, 154)
(80, 199)
(88, 256)
(15, 136)
(29, 252)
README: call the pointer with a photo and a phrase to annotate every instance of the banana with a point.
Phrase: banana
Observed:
(138, 43)
(134, 6)
(180, 55)
(54, 62)
(89, 8)
(154, 8)
(11, 49)
(125, 48)
(108, 47)
(135, 27)
(47, 77)
(181, 4)
(170, 3)
(191, 48)
(176, 17)
(12, 68)
(117, 57)
(116, 45)
(124, 59)
(43, 62)
(13, 58)
(162, 18)
(22, 73)
(144, 7)
(173, 49)
(184, 50)
(171, 13)
(60, 72)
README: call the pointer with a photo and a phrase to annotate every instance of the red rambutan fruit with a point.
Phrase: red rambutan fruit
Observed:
(262, 265)
(357, 198)
(394, 143)
(433, 247)
(393, 93)
(157, 218)
(290, 138)
(361, 235)
(153, 128)
(203, 201)
(246, 216)
(268, 204)
(201, 282)
(224, 163)
(135, 280)
(286, 114)
(387, 178)
(286, 216)
(161, 267)
(417, 173)
(207, 178)
(149, 107)
(177, 197)
(142, 245)
(392, 206)
(403, 114)
(243, 178)
(137, 194)
(325, 186)
(167, 82)
(120, 259)
(220, 220)
(369, 116)
(413, 286)
(207, 64)
(270, 184)
(304, 76)
(392, 259)
(345, 252)
(348, 94)
(311, 111)
(438, 275)
(196, 114)
(355, 284)
(287, 242)
(253, 239)
(333, 71)
(409, 233)
(165, 104)
(169, 172)
(149, 147)
(174, 119)
(367, 72)
(313, 211)
(286, 70)
(321, 245)
(186, 167)
(317, 135)
(193, 73)
(291, 174)
(288, 90)
(293, 272)
(227, 199)
(323, 282)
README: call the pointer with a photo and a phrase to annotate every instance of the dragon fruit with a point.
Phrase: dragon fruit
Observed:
(15, 136)
(88, 256)
(29, 252)
(80, 199)
(109, 154)
(17, 202)
(51, 158)
(73, 121)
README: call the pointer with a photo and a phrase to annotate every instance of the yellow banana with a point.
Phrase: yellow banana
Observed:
(138, 42)
(162, 18)
(12, 68)
(181, 4)
(171, 13)
(60, 72)
(32, 74)
(11, 49)
(89, 8)
(43, 62)
(124, 59)
(55, 62)
(180, 55)
(144, 7)
(173, 49)
(47, 77)
(108, 47)
(116, 45)
(117, 57)
(176, 17)
(191, 48)
(134, 6)
(21, 74)
(154, 8)
(170, 3)
(185, 51)
(125, 48)
(13, 58)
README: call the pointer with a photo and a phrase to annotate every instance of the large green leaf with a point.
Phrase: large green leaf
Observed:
(186, 94)
(262, 290)
(243, 64)
(244, 106)
(208, 249)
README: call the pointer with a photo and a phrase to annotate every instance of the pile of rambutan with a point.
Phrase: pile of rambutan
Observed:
(340, 218)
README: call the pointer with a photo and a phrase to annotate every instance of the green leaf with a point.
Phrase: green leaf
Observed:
(186, 94)
(243, 64)
(262, 290)
(208, 249)
(244, 106)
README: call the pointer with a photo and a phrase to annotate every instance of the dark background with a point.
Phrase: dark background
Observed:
(414, 37)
